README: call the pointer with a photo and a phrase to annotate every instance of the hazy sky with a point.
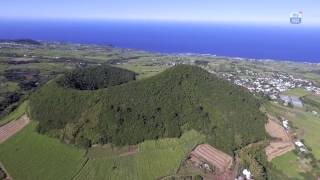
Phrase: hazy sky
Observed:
(271, 11)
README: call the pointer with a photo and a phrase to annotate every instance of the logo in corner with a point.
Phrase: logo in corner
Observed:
(296, 17)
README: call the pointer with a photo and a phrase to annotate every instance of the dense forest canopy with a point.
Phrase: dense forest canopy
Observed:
(165, 105)
(96, 77)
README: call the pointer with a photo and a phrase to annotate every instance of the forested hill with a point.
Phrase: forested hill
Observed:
(180, 98)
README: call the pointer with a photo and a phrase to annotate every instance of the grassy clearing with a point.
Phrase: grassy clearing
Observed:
(155, 158)
(29, 156)
(299, 92)
(22, 109)
(143, 70)
(288, 164)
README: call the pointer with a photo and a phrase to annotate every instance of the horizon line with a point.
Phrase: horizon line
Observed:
(212, 21)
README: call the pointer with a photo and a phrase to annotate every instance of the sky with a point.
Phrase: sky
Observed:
(252, 11)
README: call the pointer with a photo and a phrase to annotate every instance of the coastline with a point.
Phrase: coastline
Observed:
(185, 54)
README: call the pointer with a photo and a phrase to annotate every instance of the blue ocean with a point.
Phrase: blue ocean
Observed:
(278, 42)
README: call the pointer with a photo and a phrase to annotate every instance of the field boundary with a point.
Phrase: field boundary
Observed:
(80, 169)
(5, 170)
(13, 127)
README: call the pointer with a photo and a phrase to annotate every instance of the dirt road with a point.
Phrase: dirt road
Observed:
(13, 127)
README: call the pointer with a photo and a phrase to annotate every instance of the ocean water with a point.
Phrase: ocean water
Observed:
(279, 42)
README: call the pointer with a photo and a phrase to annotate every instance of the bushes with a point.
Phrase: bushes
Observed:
(181, 98)
(2, 174)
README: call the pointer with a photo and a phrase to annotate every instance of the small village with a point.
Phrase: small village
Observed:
(270, 84)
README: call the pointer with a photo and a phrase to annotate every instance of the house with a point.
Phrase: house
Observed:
(296, 101)
(303, 150)
(299, 144)
(285, 124)
(247, 174)
(285, 99)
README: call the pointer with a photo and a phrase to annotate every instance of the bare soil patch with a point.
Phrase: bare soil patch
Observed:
(210, 163)
(208, 154)
(283, 142)
(275, 149)
(275, 130)
(13, 127)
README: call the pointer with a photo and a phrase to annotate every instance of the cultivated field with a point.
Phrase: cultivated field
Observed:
(275, 149)
(289, 164)
(283, 143)
(31, 156)
(306, 124)
(153, 159)
(213, 156)
(13, 127)
(275, 130)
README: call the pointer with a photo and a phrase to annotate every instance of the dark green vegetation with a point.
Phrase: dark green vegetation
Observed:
(26, 65)
(181, 98)
(253, 157)
(98, 77)
(3, 175)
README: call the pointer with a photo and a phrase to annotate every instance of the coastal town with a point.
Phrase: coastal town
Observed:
(272, 84)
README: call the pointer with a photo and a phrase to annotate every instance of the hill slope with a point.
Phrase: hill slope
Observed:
(181, 98)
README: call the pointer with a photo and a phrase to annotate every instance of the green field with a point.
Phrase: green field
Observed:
(17, 113)
(312, 102)
(31, 156)
(288, 164)
(143, 70)
(299, 92)
(155, 158)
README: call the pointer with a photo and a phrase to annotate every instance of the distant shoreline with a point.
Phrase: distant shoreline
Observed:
(186, 54)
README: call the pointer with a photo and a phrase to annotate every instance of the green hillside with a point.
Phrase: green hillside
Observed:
(165, 105)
